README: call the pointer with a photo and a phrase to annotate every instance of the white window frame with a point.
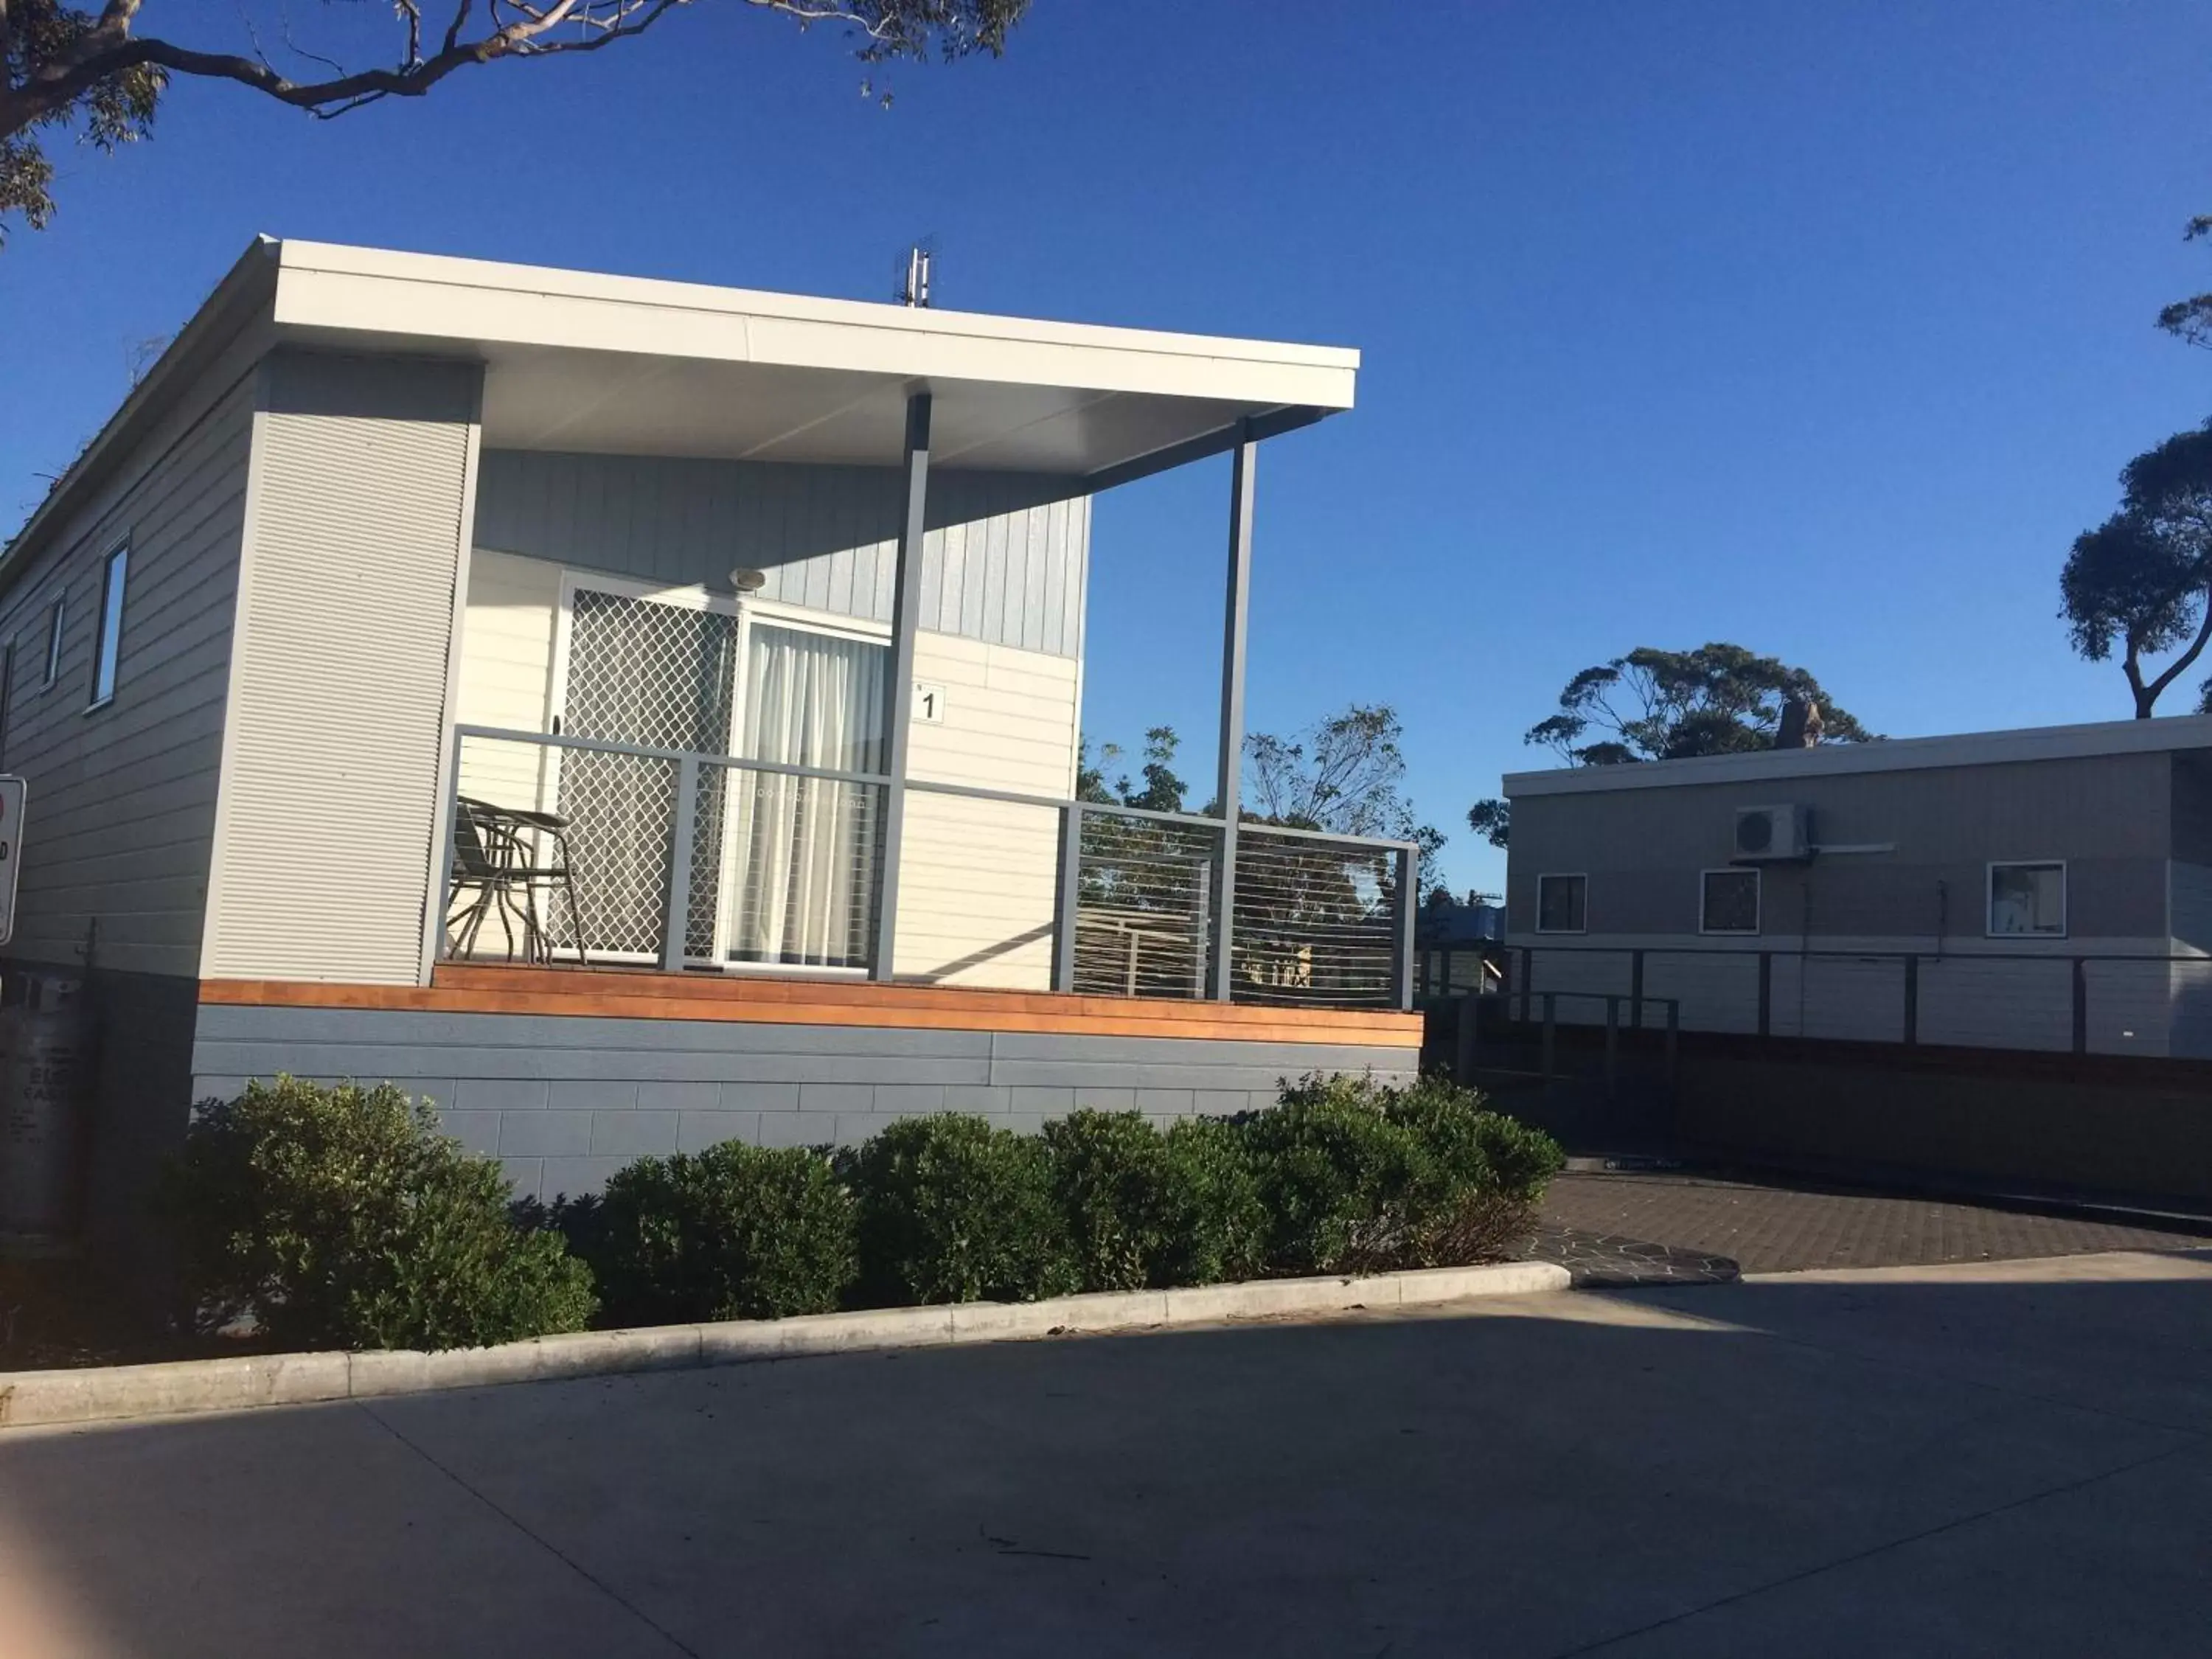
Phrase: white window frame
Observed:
(1581, 876)
(113, 589)
(1758, 900)
(57, 630)
(747, 608)
(1990, 896)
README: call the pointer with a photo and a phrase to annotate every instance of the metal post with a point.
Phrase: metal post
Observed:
(1466, 1035)
(681, 835)
(898, 689)
(1636, 990)
(1231, 759)
(1911, 1000)
(1199, 890)
(2081, 1006)
(1551, 1009)
(435, 935)
(1527, 979)
(1674, 1042)
(1070, 877)
(1611, 1045)
(1408, 872)
(1765, 992)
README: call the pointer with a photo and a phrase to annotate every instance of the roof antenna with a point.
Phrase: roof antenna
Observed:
(913, 287)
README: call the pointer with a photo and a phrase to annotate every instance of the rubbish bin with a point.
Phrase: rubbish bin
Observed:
(44, 1048)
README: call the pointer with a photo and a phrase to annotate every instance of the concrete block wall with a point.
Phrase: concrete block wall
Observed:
(564, 1101)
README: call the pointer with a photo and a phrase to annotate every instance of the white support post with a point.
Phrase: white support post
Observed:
(898, 689)
(682, 834)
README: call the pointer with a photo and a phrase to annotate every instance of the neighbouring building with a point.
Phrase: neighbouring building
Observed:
(2045, 888)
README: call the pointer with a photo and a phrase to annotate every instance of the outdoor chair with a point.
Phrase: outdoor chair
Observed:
(497, 869)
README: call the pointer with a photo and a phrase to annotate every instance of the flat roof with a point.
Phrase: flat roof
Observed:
(627, 365)
(583, 362)
(2027, 743)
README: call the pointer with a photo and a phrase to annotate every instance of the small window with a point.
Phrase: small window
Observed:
(1730, 903)
(55, 618)
(107, 644)
(1561, 903)
(2027, 900)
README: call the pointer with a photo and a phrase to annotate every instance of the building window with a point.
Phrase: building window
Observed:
(1729, 902)
(2027, 900)
(55, 618)
(1560, 905)
(107, 644)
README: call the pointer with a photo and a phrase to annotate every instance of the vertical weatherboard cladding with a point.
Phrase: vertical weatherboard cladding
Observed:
(1004, 560)
(332, 773)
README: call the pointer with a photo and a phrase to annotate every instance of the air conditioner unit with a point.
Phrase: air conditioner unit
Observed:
(1770, 835)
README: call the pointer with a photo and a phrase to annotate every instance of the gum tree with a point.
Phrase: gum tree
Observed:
(100, 71)
(2139, 584)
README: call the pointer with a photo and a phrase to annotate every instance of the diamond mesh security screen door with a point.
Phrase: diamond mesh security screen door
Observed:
(657, 676)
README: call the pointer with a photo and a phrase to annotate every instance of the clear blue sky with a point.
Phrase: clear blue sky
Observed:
(1819, 329)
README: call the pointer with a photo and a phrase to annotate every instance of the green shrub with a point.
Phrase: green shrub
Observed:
(1355, 1177)
(1112, 1180)
(733, 1232)
(1490, 1171)
(954, 1210)
(341, 1218)
(1219, 1227)
(1344, 1188)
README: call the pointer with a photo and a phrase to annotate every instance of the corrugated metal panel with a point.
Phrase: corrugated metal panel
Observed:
(1003, 563)
(338, 708)
(122, 801)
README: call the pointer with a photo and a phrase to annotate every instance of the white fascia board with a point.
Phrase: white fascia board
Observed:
(327, 290)
(2045, 743)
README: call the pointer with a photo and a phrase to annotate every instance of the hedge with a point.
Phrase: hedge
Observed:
(340, 1216)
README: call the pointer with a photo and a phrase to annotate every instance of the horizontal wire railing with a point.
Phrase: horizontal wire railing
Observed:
(2054, 999)
(1315, 921)
(571, 850)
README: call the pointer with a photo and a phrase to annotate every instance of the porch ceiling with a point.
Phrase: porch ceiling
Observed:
(624, 366)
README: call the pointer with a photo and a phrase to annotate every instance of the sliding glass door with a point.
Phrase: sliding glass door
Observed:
(803, 847)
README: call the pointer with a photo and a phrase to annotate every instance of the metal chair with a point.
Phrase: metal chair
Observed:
(497, 861)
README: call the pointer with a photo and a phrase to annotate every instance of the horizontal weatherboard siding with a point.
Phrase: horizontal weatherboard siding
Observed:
(120, 817)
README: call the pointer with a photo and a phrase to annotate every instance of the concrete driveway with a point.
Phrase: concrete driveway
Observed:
(2011, 1458)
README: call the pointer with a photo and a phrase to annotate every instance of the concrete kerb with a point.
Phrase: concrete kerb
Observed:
(93, 1394)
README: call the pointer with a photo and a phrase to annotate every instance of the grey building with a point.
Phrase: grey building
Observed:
(2043, 888)
(636, 714)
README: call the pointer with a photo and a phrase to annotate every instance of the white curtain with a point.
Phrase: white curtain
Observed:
(803, 843)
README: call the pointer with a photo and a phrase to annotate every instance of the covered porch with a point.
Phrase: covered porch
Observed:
(769, 650)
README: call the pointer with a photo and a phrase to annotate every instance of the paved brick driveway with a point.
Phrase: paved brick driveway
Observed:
(1783, 1229)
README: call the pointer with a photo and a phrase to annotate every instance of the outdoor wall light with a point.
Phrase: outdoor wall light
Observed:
(748, 581)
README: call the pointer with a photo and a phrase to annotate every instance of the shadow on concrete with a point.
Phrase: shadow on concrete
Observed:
(2011, 1458)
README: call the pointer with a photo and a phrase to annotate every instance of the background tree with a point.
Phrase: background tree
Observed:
(2140, 581)
(1651, 705)
(2191, 319)
(87, 68)
(1669, 705)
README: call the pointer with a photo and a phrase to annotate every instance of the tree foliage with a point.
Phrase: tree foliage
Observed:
(2139, 582)
(1670, 705)
(88, 69)
(2191, 319)
(1652, 705)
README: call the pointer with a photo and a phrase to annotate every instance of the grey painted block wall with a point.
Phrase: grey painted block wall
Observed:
(564, 1101)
